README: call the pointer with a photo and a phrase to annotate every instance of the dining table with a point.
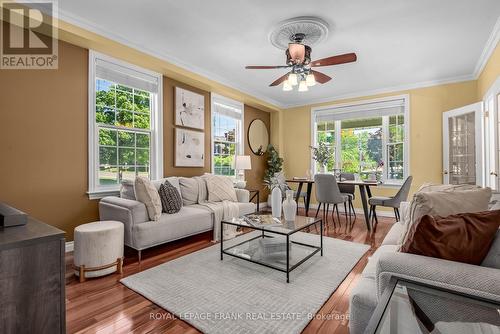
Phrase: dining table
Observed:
(364, 191)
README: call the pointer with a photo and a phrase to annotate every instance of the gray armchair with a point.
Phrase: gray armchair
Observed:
(391, 202)
(328, 192)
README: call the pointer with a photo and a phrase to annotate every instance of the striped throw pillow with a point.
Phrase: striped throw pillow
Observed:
(171, 201)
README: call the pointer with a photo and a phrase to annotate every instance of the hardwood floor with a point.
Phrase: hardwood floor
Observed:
(104, 305)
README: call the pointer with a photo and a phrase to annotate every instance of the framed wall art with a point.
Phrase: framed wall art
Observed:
(189, 109)
(189, 148)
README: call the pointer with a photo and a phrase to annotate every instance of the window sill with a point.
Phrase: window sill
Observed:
(98, 194)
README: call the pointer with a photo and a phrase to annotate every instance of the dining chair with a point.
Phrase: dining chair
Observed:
(328, 192)
(349, 190)
(391, 202)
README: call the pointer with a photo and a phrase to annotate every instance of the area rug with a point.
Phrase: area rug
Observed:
(237, 296)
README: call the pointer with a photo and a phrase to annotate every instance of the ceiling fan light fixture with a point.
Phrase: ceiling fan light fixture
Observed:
(297, 52)
(287, 86)
(292, 79)
(310, 80)
(303, 86)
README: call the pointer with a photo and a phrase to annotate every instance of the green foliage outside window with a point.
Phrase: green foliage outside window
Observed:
(123, 152)
(361, 146)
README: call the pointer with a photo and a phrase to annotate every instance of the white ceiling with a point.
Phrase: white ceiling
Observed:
(399, 43)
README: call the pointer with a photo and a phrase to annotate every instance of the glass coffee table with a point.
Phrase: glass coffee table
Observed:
(415, 308)
(273, 247)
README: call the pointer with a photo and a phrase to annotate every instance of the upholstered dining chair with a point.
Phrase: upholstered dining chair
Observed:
(328, 192)
(349, 190)
(391, 202)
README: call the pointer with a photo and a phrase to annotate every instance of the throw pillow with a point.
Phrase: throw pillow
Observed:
(464, 237)
(445, 203)
(146, 193)
(189, 190)
(220, 188)
(171, 201)
(432, 187)
(174, 180)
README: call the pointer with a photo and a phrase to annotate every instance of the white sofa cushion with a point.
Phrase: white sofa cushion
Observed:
(173, 180)
(220, 188)
(147, 193)
(189, 220)
(189, 190)
(127, 186)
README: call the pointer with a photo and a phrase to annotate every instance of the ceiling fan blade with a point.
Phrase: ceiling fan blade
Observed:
(335, 60)
(264, 67)
(279, 80)
(320, 77)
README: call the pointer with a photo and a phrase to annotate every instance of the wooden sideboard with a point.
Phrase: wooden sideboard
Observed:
(32, 279)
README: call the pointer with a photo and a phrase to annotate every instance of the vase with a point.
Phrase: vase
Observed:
(289, 206)
(276, 202)
(322, 169)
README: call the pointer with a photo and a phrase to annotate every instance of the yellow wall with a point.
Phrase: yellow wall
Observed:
(489, 74)
(292, 131)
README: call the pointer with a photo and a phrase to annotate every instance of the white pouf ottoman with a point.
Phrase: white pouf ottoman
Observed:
(98, 249)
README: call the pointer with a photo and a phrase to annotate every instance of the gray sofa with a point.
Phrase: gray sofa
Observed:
(483, 281)
(141, 233)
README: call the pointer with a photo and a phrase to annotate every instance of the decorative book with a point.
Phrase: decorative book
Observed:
(263, 220)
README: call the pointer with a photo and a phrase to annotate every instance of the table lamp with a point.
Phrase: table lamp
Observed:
(241, 163)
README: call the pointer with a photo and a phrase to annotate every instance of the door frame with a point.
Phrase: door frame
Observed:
(493, 116)
(478, 110)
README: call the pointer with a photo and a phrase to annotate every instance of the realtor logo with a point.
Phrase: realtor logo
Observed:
(29, 35)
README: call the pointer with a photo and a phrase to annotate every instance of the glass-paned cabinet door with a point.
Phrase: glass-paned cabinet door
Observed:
(462, 150)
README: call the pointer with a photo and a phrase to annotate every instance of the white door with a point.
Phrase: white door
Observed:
(491, 143)
(462, 145)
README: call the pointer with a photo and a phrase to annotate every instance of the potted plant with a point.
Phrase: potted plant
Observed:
(322, 154)
(273, 175)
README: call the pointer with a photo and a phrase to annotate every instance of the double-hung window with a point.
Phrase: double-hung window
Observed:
(227, 134)
(366, 138)
(124, 124)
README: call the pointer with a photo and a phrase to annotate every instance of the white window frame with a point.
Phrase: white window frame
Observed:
(96, 191)
(220, 99)
(357, 107)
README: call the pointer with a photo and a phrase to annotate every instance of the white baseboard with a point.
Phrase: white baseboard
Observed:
(70, 245)
(359, 211)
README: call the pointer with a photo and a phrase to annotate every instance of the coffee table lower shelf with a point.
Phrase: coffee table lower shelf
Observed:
(295, 254)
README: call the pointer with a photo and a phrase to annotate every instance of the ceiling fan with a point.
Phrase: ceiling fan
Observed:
(298, 60)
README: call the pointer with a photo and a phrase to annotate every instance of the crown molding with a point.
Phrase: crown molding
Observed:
(94, 28)
(387, 90)
(488, 49)
(84, 24)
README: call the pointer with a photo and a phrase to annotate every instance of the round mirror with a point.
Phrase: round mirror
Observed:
(258, 137)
